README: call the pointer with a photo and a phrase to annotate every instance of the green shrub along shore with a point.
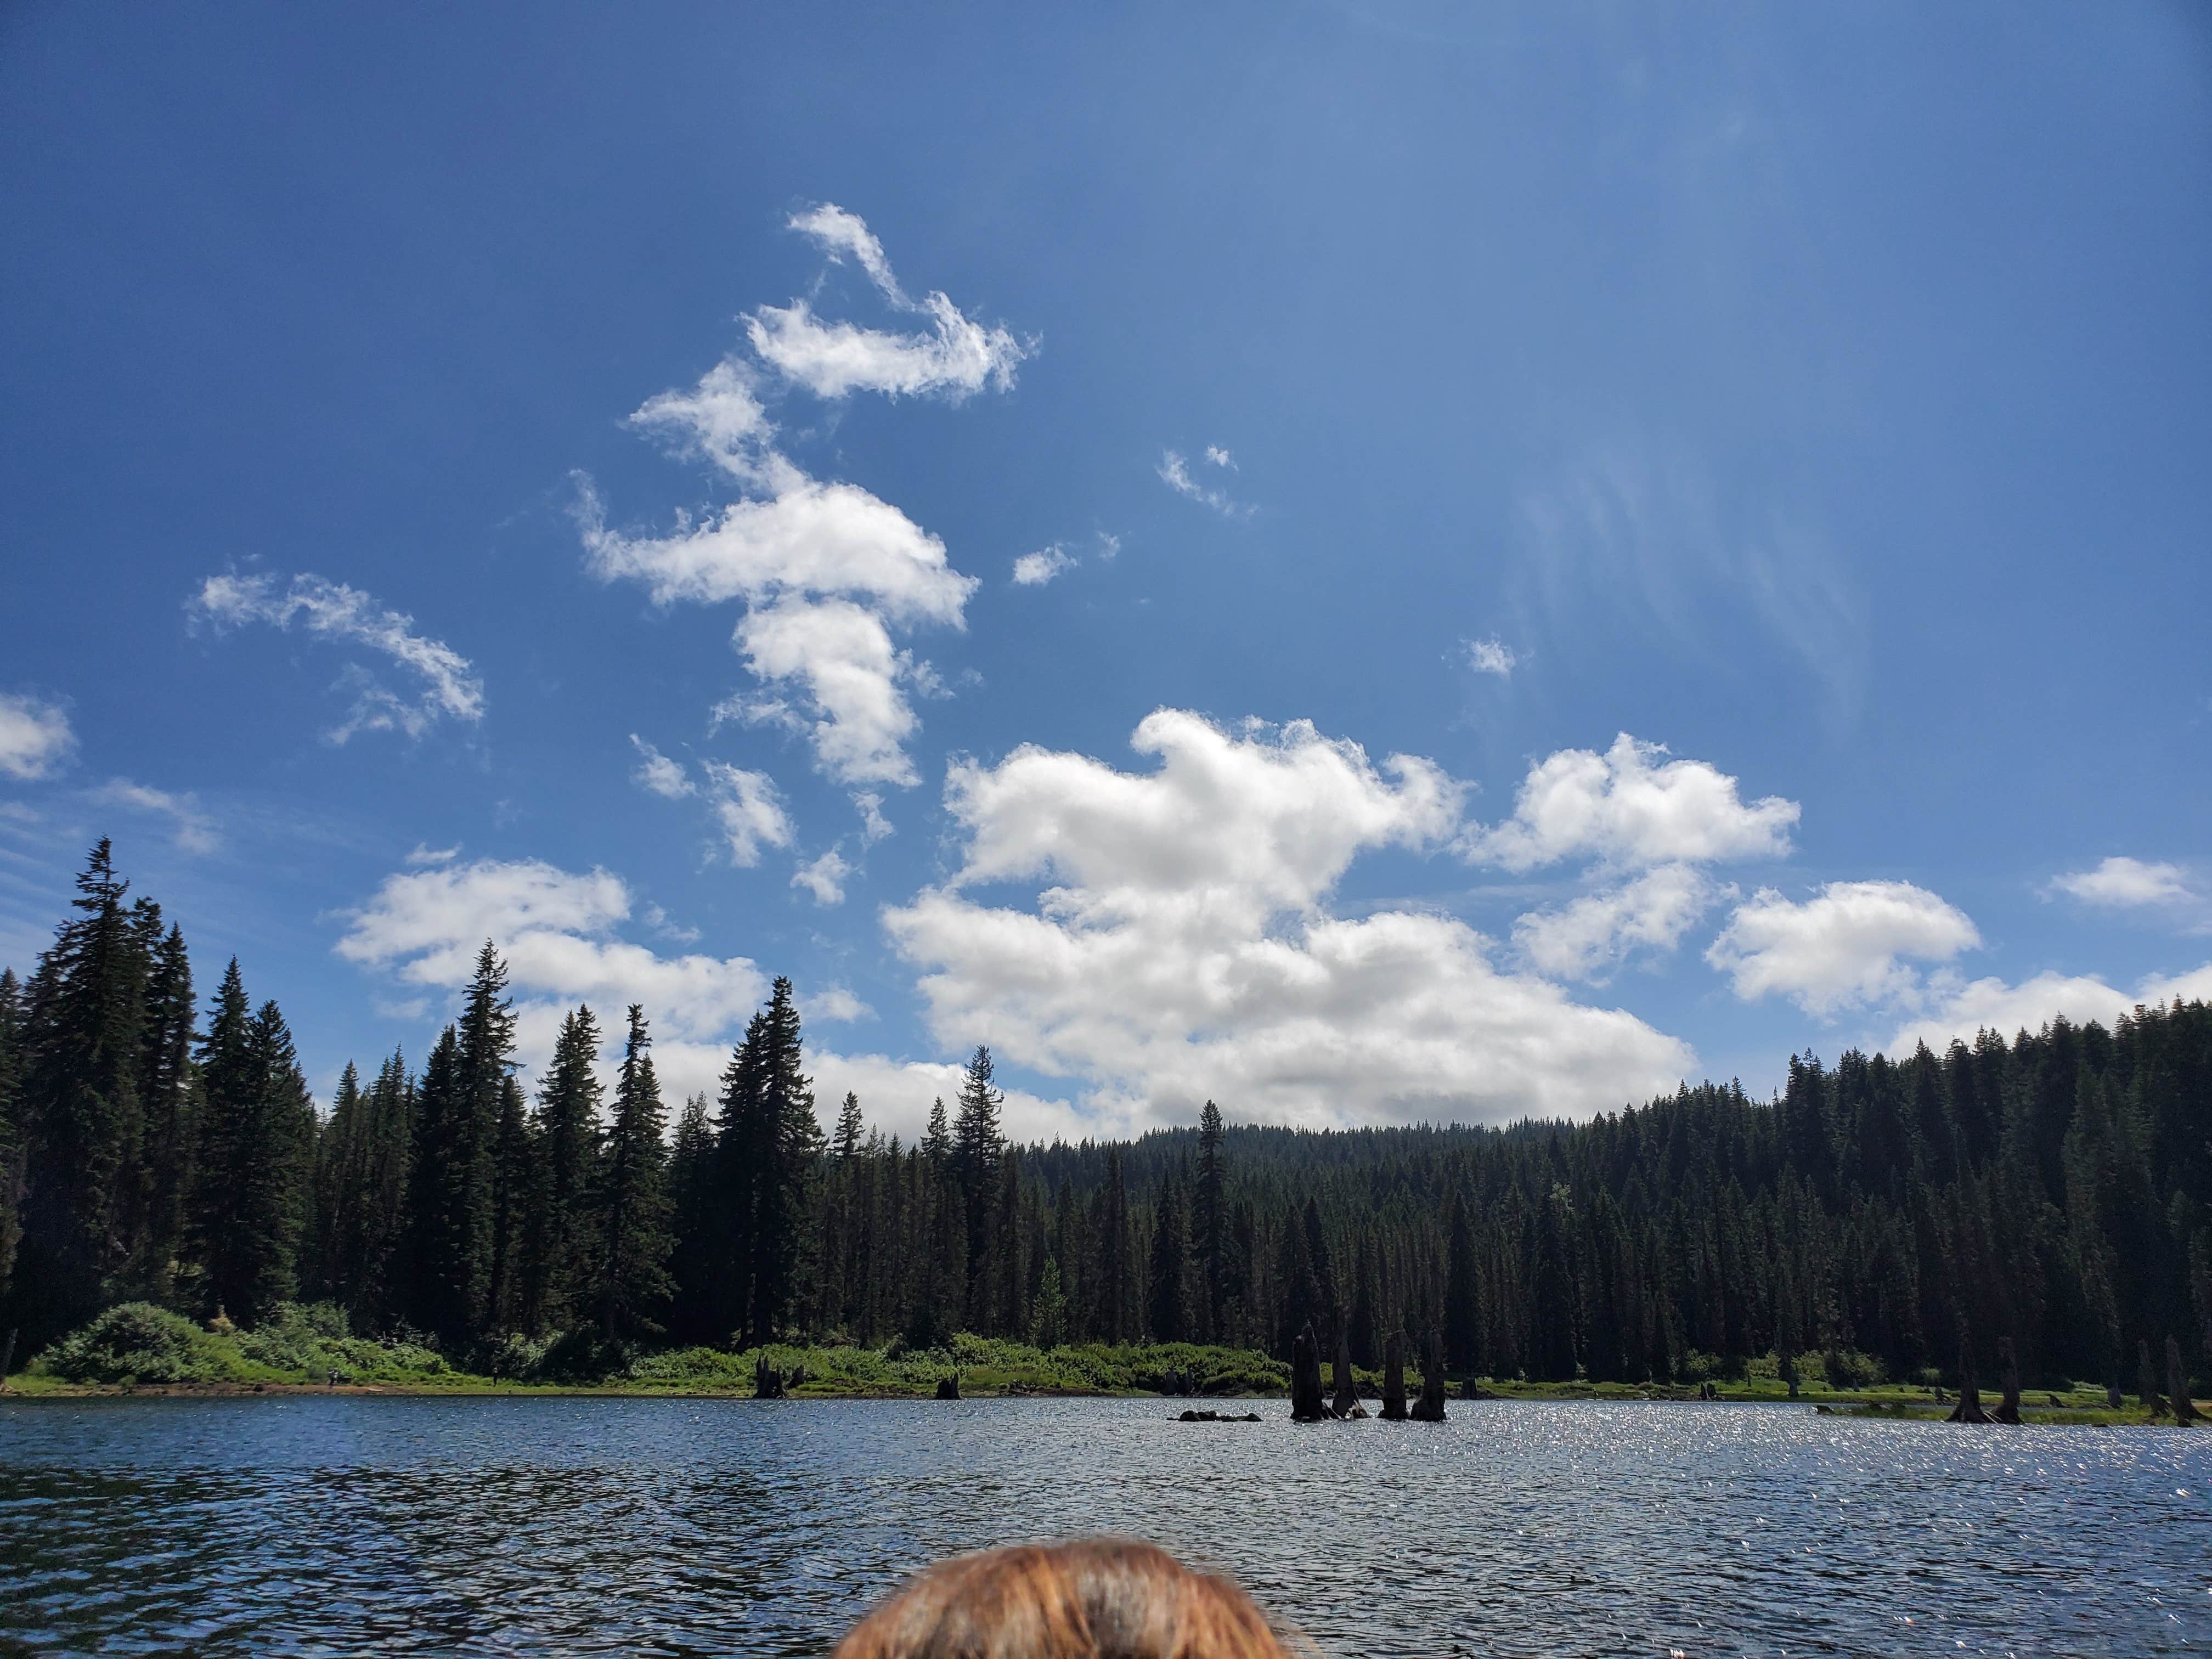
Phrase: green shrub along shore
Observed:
(138, 1347)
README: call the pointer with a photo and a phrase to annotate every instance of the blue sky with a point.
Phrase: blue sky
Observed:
(564, 474)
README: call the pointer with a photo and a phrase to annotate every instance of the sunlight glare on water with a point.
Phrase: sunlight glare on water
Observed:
(312, 1525)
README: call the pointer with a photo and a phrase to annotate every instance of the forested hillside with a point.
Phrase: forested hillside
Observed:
(2054, 1189)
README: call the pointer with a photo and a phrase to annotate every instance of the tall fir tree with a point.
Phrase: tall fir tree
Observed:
(563, 1252)
(632, 1230)
(977, 1146)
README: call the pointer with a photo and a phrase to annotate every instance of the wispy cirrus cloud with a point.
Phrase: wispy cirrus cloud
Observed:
(334, 611)
(1175, 472)
(190, 828)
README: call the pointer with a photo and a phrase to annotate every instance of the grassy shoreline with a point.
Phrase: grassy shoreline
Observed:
(137, 1350)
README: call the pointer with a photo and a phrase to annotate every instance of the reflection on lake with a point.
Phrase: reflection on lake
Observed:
(340, 1525)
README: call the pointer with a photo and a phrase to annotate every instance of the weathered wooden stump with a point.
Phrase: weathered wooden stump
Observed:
(1306, 1405)
(767, 1382)
(2008, 1408)
(1429, 1408)
(1344, 1402)
(1969, 1408)
(2177, 1386)
(2146, 1381)
(948, 1388)
(1394, 1377)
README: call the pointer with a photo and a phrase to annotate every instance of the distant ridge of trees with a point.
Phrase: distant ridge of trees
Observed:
(2054, 1191)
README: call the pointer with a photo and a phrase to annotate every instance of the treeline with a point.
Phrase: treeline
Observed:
(1889, 1214)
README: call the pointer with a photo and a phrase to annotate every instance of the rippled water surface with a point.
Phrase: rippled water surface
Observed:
(345, 1525)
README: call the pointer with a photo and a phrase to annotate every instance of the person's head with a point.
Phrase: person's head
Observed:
(1095, 1598)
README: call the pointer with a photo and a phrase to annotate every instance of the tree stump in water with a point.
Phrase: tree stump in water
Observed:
(1344, 1402)
(948, 1388)
(1394, 1377)
(2177, 1386)
(1969, 1408)
(1429, 1408)
(1306, 1405)
(767, 1382)
(2009, 1409)
(2147, 1382)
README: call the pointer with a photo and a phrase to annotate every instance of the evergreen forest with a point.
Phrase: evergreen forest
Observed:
(1887, 1217)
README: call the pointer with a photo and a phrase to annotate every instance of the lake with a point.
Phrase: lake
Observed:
(519, 1526)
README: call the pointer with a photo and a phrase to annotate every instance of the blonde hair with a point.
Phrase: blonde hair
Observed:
(1092, 1598)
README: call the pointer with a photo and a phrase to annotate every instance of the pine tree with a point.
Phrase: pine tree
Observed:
(84, 1178)
(12, 1132)
(691, 1193)
(563, 1254)
(514, 1186)
(1209, 1219)
(976, 1147)
(633, 1207)
(1462, 1294)
(165, 1079)
(444, 1293)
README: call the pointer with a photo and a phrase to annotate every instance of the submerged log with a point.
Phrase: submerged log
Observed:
(767, 1382)
(2008, 1410)
(1345, 1402)
(2177, 1386)
(2147, 1382)
(1429, 1408)
(1306, 1405)
(1394, 1377)
(948, 1388)
(1217, 1417)
(1969, 1408)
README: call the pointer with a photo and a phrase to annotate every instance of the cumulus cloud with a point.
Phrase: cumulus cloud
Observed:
(1589, 937)
(957, 356)
(1181, 946)
(332, 611)
(1492, 656)
(1964, 1010)
(824, 877)
(557, 930)
(1036, 569)
(2126, 883)
(1629, 807)
(35, 739)
(1174, 473)
(1847, 946)
(191, 829)
(1217, 456)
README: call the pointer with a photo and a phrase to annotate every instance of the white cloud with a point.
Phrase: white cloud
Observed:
(190, 828)
(824, 877)
(335, 611)
(424, 853)
(1624, 808)
(826, 571)
(555, 928)
(1964, 1010)
(1219, 457)
(746, 806)
(35, 739)
(1036, 569)
(1181, 947)
(749, 808)
(1586, 938)
(958, 357)
(1174, 473)
(1108, 545)
(2125, 883)
(874, 826)
(1843, 948)
(656, 772)
(1492, 656)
